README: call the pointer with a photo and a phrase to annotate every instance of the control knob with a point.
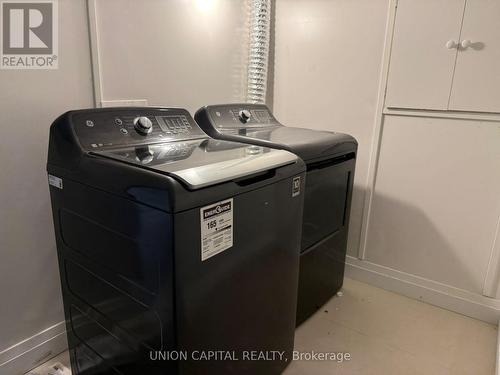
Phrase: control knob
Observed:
(245, 115)
(143, 125)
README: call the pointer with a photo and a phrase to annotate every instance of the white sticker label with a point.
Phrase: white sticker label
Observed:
(216, 223)
(55, 181)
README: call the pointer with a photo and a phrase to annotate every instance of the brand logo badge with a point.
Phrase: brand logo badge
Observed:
(29, 37)
(296, 186)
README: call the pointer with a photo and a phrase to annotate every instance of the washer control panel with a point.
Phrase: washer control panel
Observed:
(241, 115)
(133, 127)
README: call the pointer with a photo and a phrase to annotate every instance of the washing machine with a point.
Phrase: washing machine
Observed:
(330, 159)
(178, 254)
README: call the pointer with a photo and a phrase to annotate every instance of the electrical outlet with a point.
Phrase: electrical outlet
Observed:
(124, 103)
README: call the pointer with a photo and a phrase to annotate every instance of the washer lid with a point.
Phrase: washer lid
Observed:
(202, 162)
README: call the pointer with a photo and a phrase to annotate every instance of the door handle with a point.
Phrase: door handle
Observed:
(466, 43)
(451, 44)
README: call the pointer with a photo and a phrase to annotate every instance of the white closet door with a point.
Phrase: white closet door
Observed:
(476, 86)
(421, 68)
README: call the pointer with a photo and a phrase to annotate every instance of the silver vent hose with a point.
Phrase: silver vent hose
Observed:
(260, 28)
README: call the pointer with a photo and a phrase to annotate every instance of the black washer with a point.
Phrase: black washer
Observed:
(175, 243)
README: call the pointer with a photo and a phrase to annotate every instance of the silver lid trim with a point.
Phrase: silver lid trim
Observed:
(212, 174)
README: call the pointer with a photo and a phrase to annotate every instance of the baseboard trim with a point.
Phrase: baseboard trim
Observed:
(33, 351)
(497, 366)
(441, 295)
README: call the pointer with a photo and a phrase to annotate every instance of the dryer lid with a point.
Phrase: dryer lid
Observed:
(259, 127)
(306, 143)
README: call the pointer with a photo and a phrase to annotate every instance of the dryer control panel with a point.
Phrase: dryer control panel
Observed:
(242, 116)
(117, 127)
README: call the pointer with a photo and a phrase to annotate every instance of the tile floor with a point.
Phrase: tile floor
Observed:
(386, 334)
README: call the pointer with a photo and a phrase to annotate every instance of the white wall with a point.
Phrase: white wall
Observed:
(433, 224)
(29, 102)
(328, 58)
(186, 53)
(435, 204)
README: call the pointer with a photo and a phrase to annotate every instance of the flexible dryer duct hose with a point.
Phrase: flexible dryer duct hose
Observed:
(260, 28)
